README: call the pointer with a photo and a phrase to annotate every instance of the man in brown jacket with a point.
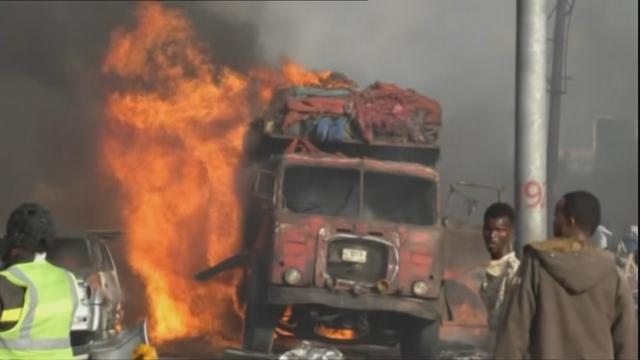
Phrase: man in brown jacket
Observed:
(568, 300)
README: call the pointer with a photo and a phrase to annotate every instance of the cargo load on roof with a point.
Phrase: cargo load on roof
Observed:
(381, 114)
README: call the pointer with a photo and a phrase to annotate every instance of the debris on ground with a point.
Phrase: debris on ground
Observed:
(470, 354)
(312, 351)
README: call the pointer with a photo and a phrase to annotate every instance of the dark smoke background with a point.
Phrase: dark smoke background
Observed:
(52, 97)
(459, 52)
(462, 53)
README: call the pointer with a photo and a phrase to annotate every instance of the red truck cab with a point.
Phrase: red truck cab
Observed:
(343, 239)
(351, 247)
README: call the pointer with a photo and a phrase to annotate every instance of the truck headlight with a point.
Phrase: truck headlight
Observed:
(420, 288)
(292, 276)
(383, 286)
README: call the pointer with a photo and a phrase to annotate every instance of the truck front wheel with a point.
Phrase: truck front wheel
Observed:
(420, 339)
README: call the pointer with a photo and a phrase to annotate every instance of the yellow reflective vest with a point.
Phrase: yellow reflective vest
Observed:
(44, 320)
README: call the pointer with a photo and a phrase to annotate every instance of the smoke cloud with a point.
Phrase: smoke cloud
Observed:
(461, 53)
(52, 97)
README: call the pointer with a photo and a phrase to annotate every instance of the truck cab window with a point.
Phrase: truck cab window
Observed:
(399, 198)
(325, 191)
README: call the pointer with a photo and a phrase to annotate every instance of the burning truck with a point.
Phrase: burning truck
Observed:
(343, 236)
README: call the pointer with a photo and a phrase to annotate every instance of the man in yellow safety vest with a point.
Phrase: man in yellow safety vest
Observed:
(37, 299)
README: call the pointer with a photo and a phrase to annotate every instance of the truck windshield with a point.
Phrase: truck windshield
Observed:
(324, 191)
(399, 198)
(336, 192)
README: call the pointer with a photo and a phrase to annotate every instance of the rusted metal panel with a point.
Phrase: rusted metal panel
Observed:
(466, 259)
(426, 309)
(423, 244)
(420, 244)
(419, 255)
(328, 160)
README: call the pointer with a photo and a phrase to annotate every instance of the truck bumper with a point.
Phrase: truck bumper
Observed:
(425, 309)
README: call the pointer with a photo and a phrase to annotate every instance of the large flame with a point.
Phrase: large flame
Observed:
(292, 73)
(173, 141)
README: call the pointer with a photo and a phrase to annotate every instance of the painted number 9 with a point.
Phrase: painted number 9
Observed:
(534, 193)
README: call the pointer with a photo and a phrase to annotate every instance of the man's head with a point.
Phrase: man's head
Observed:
(30, 229)
(497, 229)
(577, 215)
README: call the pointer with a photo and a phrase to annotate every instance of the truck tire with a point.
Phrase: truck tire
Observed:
(420, 340)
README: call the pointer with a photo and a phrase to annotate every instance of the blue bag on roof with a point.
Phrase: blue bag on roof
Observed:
(327, 129)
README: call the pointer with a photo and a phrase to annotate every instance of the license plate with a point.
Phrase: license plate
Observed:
(354, 255)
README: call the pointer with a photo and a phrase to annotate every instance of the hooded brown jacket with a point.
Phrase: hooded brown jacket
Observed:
(568, 301)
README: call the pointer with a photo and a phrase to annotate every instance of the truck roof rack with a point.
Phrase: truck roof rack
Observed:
(421, 154)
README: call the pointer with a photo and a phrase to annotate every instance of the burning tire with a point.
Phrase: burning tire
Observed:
(420, 340)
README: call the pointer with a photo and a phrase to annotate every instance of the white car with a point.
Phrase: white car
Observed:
(99, 313)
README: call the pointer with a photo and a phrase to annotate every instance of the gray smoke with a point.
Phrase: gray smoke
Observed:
(52, 97)
(463, 54)
(51, 100)
(458, 52)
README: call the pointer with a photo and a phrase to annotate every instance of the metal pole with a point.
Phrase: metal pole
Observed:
(531, 122)
(555, 97)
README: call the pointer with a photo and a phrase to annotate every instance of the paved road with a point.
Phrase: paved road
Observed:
(362, 353)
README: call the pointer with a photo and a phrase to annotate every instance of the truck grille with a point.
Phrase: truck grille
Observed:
(354, 267)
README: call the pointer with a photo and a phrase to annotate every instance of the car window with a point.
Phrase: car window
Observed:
(72, 254)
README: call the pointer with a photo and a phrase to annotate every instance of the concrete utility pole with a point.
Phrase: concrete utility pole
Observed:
(556, 90)
(531, 122)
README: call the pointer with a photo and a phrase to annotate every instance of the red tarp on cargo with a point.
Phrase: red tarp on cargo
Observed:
(391, 109)
(300, 109)
(381, 113)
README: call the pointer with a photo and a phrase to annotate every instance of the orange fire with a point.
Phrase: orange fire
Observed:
(286, 316)
(294, 74)
(336, 334)
(173, 141)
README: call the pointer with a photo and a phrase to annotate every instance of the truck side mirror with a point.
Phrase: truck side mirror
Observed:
(265, 185)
